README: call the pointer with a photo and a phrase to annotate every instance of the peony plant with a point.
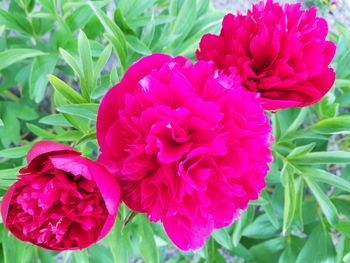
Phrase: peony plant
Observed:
(216, 137)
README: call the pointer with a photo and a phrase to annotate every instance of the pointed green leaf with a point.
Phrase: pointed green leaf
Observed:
(326, 205)
(11, 56)
(70, 94)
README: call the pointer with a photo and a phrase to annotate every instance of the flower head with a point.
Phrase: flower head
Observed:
(279, 51)
(190, 148)
(62, 200)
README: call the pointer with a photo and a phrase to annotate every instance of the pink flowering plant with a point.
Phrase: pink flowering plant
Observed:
(169, 131)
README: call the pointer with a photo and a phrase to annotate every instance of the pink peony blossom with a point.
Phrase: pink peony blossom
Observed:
(62, 200)
(279, 51)
(189, 148)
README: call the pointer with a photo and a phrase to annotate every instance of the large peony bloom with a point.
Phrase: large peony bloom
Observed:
(62, 200)
(279, 51)
(190, 148)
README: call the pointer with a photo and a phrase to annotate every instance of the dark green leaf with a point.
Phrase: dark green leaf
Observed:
(326, 205)
(318, 248)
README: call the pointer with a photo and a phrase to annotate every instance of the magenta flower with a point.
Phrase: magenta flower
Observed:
(279, 51)
(62, 200)
(190, 148)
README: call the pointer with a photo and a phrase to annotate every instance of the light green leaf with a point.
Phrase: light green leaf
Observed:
(42, 66)
(301, 150)
(261, 228)
(102, 60)
(70, 94)
(289, 202)
(87, 83)
(147, 245)
(114, 77)
(323, 176)
(11, 56)
(40, 132)
(88, 110)
(117, 241)
(344, 227)
(55, 119)
(335, 125)
(222, 237)
(81, 256)
(322, 158)
(137, 45)
(15, 152)
(297, 122)
(114, 34)
(70, 60)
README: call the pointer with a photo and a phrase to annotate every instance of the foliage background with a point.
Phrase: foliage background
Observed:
(58, 58)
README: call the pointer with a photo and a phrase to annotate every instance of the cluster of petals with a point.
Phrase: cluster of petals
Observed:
(279, 50)
(189, 146)
(62, 200)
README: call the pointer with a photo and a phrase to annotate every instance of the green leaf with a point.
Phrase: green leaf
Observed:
(147, 245)
(144, 21)
(40, 132)
(299, 203)
(301, 150)
(15, 22)
(269, 210)
(70, 60)
(260, 228)
(323, 176)
(222, 237)
(289, 202)
(137, 45)
(11, 56)
(46, 256)
(1, 122)
(100, 254)
(14, 250)
(69, 136)
(114, 34)
(118, 48)
(42, 66)
(267, 251)
(81, 256)
(70, 94)
(185, 19)
(322, 158)
(333, 125)
(299, 120)
(326, 205)
(117, 241)
(318, 248)
(9, 174)
(88, 110)
(240, 224)
(87, 83)
(102, 60)
(343, 226)
(55, 120)
(15, 152)
(327, 106)
(114, 77)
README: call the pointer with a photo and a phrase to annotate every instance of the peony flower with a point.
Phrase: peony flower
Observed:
(190, 148)
(279, 51)
(62, 200)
